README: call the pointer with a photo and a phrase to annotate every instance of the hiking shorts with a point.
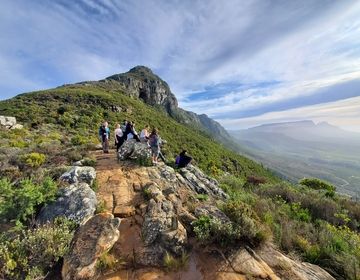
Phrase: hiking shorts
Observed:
(155, 151)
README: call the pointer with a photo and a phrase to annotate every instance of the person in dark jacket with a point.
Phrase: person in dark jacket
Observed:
(104, 135)
(182, 160)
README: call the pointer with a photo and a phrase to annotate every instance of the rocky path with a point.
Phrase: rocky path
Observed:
(120, 188)
(120, 185)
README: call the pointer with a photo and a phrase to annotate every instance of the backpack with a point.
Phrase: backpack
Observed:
(154, 141)
(102, 132)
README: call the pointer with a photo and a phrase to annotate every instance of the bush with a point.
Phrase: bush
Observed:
(34, 159)
(19, 202)
(78, 140)
(174, 264)
(106, 261)
(255, 180)
(144, 161)
(317, 184)
(89, 162)
(202, 197)
(33, 252)
(245, 222)
(242, 227)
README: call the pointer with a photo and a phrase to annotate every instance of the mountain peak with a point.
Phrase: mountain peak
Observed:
(141, 69)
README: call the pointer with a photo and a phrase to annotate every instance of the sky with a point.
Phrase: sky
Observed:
(243, 63)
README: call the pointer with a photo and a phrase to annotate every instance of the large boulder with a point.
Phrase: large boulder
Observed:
(76, 202)
(9, 123)
(79, 174)
(131, 149)
(91, 240)
(201, 183)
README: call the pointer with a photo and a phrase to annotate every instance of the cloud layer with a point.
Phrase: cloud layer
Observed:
(230, 59)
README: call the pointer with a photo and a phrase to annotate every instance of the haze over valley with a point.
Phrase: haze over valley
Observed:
(304, 149)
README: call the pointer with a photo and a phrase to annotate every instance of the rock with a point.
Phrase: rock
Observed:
(202, 183)
(290, 269)
(115, 108)
(131, 149)
(9, 123)
(91, 240)
(161, 228)
(17, 126)
(141, 82)
(211, 211)
(78, 174)
(76, 202)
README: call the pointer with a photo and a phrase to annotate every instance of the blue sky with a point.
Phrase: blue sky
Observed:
(241, 62)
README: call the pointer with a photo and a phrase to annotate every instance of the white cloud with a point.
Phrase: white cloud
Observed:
(306, 45)
(344, 113)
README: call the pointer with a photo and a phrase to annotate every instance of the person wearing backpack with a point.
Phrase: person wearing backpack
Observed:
(104, 135)
(119, 137)
(154, 142)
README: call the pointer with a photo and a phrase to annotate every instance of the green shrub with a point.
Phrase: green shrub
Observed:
(106, 261)
(34, 159)
(174, 264)
(100, 207)
(89, 162)
(19, 202)
(299, 213)
(144, 161)
(78, 140)
(18, 144)
(202, 228)
(202, 197)
(317, 184)
(31, 253)
(245, 222)
(241, 227)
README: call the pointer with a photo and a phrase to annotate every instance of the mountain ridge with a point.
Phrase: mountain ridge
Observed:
(141, 82)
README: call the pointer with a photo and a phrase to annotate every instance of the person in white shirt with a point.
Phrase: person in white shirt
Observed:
(119, 137)
(144, 135)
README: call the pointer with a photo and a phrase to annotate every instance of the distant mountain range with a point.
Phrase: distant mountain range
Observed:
(305, 149)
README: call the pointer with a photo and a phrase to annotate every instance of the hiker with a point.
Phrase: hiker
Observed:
(119, 137)
(104, 134)
(154, 141)
(123, 126)
(144, 134)
(131, 132)
(182, 160)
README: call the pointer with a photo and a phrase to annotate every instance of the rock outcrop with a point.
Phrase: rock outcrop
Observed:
(79, 174)
(76, 202)
(200, 182)
(91, 240)
(162, 231)
(142, 83)
(165, 205)
(131, 149)
(9, 123)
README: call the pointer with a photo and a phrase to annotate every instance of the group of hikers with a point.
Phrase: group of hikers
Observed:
(127, 131)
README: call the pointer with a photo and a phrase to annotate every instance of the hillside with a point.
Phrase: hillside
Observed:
(77, 111)
(67, 210)
(305, 149)
(141, 83)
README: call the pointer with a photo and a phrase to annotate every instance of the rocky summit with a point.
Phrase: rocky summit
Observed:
(159, 206)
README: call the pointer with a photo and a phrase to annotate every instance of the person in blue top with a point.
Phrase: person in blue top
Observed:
(104, 135)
